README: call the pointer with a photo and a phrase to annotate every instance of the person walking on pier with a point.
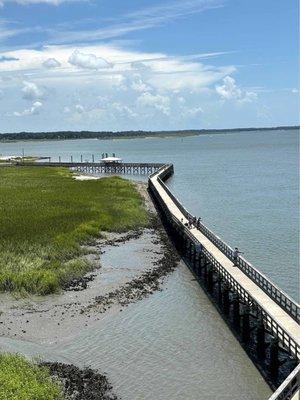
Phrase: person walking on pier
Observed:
(236, 254)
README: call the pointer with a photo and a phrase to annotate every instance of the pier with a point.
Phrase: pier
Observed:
(263, 318)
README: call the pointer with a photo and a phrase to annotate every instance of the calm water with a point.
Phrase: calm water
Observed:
(171, 345)
(244, 186)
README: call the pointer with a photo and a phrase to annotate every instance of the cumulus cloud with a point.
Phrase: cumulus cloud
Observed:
(51, 63)
(155, 101)
(79, 108)
(140, 66)
(123, 110)
(88, 61)
(34, 109)
(66, 110)
(31, 91)
(138, 85)
(193, 111)
(230, 91)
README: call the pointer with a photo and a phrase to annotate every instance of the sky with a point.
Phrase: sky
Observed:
(148, 65)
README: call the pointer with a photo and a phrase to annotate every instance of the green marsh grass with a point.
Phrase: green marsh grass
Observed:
(45, 215)
(21, 379)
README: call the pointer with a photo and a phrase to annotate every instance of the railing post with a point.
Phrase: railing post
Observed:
(71, 159)
(59, 159)
(93, 158)
(81, 158)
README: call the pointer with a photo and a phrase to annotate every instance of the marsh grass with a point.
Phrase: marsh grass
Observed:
(21, 379)
(45, 215)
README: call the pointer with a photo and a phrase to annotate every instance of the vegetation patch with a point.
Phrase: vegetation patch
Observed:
(46, 215)
(21, 379)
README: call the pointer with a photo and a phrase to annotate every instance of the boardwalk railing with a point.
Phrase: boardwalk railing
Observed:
(276, 294)
(100, 167)
(289, 387)
(279, 331)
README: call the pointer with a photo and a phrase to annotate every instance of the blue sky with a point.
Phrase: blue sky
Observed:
(117, 65)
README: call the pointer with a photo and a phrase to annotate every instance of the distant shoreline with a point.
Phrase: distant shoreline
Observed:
(106, 135)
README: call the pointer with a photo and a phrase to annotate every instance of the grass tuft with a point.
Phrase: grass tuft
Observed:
(21, 379)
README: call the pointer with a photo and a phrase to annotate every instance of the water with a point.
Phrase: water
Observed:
(174, 344)
(244, 186)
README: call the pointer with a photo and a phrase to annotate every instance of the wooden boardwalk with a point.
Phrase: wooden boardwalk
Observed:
(276, 313)
(272, 309)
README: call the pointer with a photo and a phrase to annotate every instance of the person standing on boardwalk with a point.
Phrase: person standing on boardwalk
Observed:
(236, 253)
(198, 222)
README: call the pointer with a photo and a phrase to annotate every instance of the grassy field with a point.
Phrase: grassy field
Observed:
(21, 379)
(45, 215)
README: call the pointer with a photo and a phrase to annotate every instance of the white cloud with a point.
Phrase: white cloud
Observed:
(230, 91)
(154, 101)
(34, 109)
(51, 63)
(79, 108)
(193, 112)
(138, 85)
(88, 61)
(31, 91)
(123, 110)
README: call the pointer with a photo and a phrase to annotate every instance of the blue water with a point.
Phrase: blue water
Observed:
(244, 185)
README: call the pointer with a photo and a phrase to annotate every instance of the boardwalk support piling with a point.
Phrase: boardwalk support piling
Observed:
(260, 339)
(246, 324)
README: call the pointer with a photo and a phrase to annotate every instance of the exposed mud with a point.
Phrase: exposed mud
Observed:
(133, 266)
(81, 384)
(143, 285)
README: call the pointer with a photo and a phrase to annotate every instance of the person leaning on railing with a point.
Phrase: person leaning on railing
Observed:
(236, 254)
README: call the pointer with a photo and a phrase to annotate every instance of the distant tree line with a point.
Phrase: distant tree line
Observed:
(63, 135)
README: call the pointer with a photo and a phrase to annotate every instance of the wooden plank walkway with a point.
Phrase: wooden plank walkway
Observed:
(284, 320)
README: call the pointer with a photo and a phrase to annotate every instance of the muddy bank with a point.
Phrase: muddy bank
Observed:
(81, 384)
(143, 285)
(133, 266)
